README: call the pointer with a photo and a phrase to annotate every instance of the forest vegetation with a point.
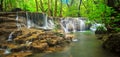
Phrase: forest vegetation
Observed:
(102, 11)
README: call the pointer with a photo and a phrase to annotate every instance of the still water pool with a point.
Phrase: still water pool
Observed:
(86, 46)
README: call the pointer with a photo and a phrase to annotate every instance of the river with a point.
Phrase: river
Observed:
(86, 46)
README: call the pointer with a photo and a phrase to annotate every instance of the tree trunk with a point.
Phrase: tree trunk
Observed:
(49, 8)
(36, 5)
(55, 11)
(1, 5)
(111, 3)
(61, 4)
(41, 6)
(79, 8)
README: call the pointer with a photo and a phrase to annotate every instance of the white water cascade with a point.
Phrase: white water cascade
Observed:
(10, 36)
(7, 51)
(73, 25)
(29, 24)
(82, 25)
(50, 24)
(18, 25)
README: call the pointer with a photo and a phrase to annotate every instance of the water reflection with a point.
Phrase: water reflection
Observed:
(87, 46)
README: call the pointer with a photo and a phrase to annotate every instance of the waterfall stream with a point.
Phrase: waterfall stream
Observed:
(18, 24)
(73, 24)
(10, 36)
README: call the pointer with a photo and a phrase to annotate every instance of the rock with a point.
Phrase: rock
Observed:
(35, 40)
(69, 36)
(113, 42)
(39, 47)
(20, 54)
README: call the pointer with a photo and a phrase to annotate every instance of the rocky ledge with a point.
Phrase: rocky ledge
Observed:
(111, 41)
(23, 42)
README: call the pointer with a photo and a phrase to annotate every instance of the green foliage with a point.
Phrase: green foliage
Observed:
(88, 22)
(101, 28)
(117, 29)
(94, 10)
(88, 8)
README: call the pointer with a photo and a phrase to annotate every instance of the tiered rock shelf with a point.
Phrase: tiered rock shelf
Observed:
(26, 42)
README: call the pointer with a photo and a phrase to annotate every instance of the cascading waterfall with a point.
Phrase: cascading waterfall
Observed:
(28, 21)
(7, 51)
(10, 36)
(82, 25)
(73, 24)
(45, 22)
(18, 25)
(63, 25)
(50, 24)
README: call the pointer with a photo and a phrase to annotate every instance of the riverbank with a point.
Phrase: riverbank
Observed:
(110, 41)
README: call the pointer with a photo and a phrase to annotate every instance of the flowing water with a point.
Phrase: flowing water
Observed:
(18, 24)
(10, 36)
(28, 21)
(86, 46)
(82, 25)
(73, 25)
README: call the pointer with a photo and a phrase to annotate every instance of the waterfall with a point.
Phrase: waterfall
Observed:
(73, 24)
(7, 51)
(18, 25)
(45, 22)
(10, 36)
(82, 25)
(28, 21)
(65, 30)
(63, 25)
(50, 24)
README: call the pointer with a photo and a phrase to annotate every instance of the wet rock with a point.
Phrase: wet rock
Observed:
(35, 40)
(69, 36)
(51, 42)
(113, 42)
(19, 54)
(39, 47)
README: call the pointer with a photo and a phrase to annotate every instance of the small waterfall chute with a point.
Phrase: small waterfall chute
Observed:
(50, 24)
(82, 25)
(7, 51)
(18, 24)
(65, 30)
(10, 36)
(29, 23)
